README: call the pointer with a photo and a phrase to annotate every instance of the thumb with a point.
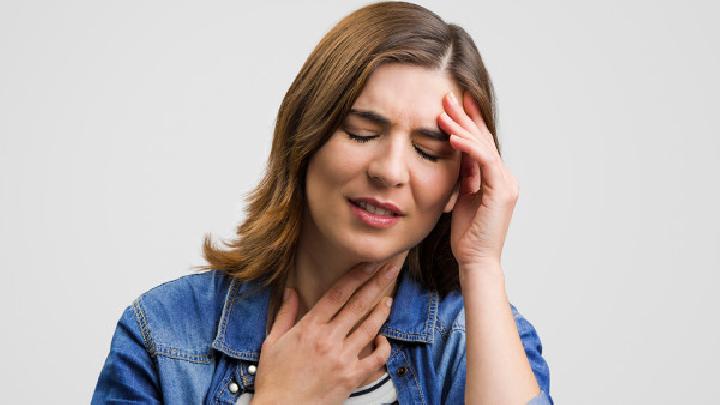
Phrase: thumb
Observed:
(286, 315)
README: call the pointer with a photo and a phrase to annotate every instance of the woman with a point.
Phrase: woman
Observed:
(384, 181)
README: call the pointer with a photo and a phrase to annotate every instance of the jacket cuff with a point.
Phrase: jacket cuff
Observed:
(541, 399)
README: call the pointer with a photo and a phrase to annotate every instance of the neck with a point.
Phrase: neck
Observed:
(318, 265)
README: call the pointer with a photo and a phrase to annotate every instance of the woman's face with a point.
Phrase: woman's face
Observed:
(379, 184)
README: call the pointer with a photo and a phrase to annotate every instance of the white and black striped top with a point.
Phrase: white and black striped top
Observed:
(379, 392)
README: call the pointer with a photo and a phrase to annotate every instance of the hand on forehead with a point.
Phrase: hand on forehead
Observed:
(408, 96)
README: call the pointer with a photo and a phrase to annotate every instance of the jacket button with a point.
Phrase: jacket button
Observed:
(401, 371)
(233, 387)
(252, 369)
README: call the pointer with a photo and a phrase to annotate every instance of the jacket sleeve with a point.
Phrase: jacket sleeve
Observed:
(533, 350)
(129, 374)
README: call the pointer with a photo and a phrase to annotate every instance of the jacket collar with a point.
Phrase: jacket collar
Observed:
(241, 329)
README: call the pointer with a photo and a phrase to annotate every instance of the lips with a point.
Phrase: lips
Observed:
(376, 207)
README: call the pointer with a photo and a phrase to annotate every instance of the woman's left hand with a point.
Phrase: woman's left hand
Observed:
(488, 191)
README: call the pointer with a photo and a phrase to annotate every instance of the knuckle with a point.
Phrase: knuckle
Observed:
(347, 378)
(380, 282)
(377, 360)
(512, 197)
(323, 345)
(306, 333)
(379, 315)
(356, 306)
(366, 330)
(382, 355)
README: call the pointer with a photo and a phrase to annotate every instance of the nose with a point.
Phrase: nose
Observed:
(388, 167)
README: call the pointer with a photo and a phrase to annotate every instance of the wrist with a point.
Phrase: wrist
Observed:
(488, 272)
(485, 267)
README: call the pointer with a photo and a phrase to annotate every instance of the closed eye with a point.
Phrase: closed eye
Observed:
(426, 155)
(360, 138)
(366, 138)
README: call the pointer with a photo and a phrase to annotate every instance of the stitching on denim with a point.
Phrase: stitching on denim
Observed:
(178, 354)
(221, 387)
(155, 348)
(227, 309)
(241, 355)
(144, 328)
(456, 325)
(440, 324)
(412, 337)
(426, 337)
(399, 332)
(432, 313)
(232, 297)
(443, 331)
(415, 378)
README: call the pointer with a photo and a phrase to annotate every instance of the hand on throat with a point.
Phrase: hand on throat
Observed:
(316, 270)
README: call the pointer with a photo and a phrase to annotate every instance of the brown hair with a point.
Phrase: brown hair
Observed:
(313, 108)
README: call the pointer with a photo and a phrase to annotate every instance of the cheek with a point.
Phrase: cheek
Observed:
(331, 169)
(434, 186)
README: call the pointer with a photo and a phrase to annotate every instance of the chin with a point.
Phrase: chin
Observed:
(366, 251)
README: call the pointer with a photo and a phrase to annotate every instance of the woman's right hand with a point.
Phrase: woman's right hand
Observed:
(316, 361)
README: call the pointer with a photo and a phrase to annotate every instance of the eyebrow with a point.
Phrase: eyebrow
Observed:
(385, 122)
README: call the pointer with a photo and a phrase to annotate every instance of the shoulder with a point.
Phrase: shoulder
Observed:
(451, 315)
(179, 318)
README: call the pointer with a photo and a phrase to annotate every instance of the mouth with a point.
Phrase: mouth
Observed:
(375, 207)
(374, 214)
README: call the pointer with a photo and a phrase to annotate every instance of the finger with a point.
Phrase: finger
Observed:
(368, 329)
(377, 358)
(456, 112)
(333, 300)
(469, 165)
(473, 111)
(487, 160)
(364, 300)
(285, 318)
(451, 126)
(471, 177)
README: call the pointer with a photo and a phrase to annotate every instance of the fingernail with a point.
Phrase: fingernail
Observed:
(453, 99)
(388, 302)
(286, 294)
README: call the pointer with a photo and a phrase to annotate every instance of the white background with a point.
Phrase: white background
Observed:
(130, 129)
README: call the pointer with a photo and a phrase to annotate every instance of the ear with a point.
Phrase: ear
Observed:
(453, 198)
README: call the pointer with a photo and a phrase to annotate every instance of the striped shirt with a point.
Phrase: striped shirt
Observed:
(379, 392)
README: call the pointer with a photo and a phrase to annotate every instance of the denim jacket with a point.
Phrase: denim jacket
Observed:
(196, 340)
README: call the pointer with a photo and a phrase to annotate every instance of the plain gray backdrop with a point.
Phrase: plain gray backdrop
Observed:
(130, 129)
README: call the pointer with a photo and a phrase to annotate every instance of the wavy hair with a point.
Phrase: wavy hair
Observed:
(313, 108)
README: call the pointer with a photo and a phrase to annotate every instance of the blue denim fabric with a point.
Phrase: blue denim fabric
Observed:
(187, 340)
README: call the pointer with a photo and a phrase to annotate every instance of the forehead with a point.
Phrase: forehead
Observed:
(407, 94)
